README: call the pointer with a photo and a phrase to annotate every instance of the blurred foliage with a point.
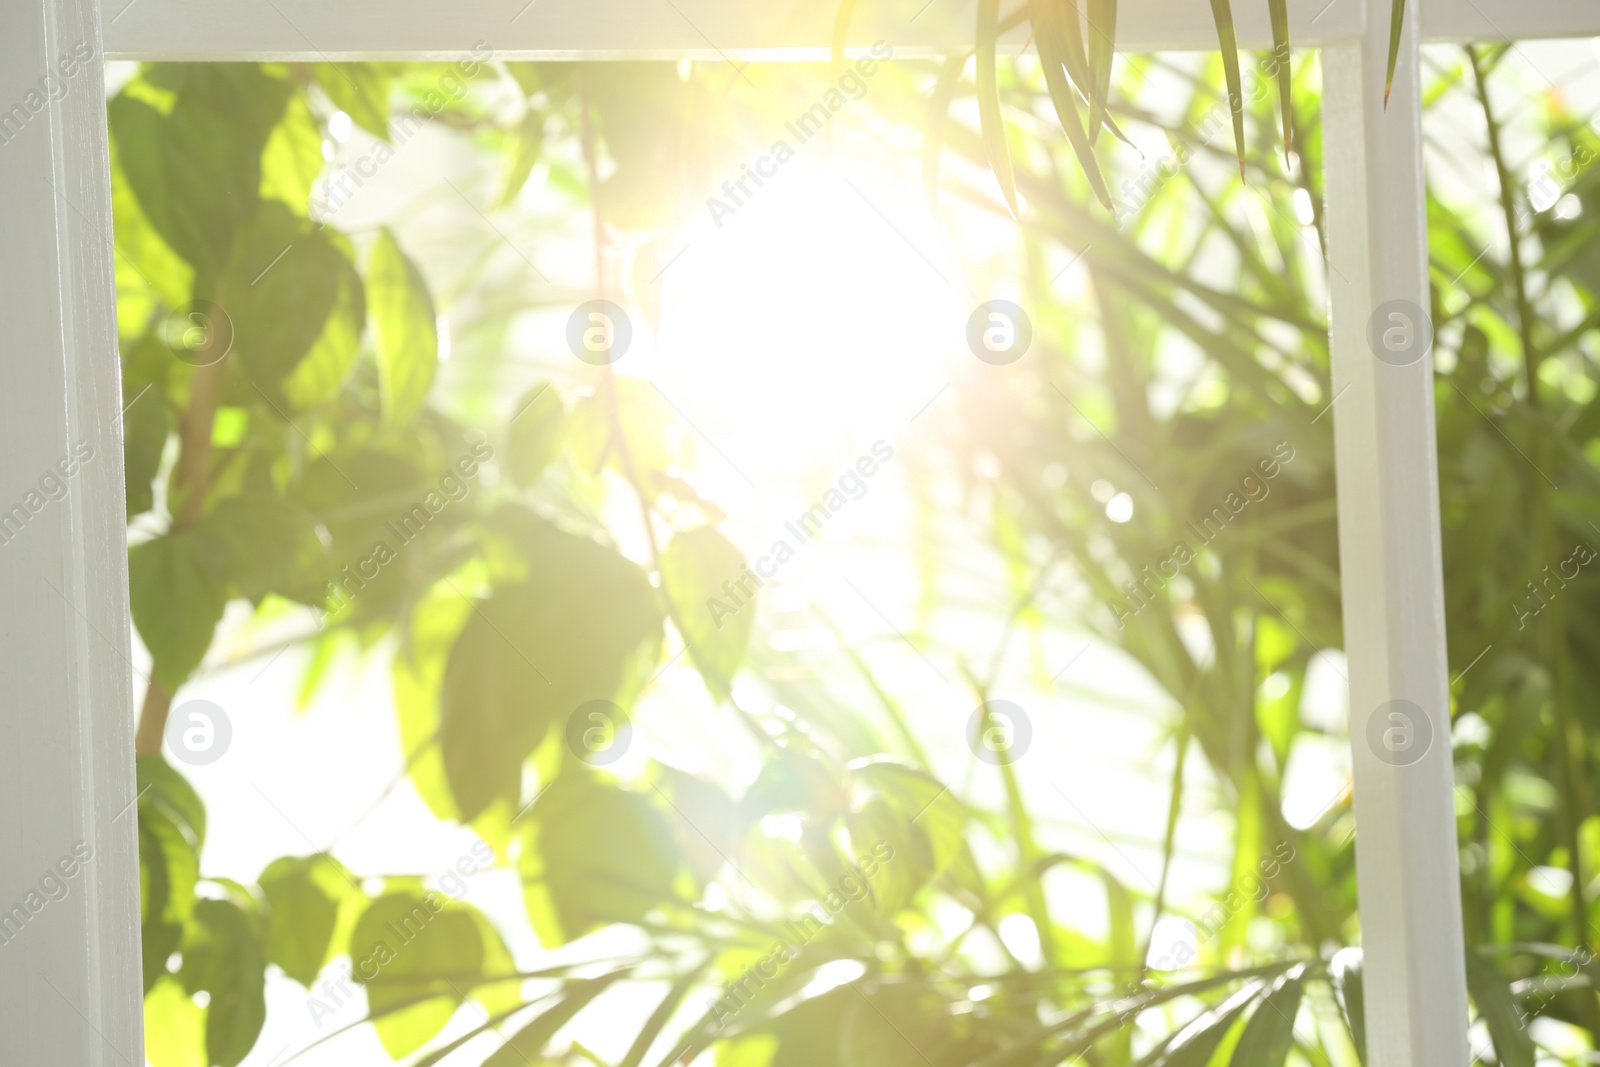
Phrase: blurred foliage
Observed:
(296, 457)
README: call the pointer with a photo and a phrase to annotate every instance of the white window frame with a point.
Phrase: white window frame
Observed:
(70, 990)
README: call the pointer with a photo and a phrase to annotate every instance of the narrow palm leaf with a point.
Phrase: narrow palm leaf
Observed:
(994, 130)
(1280, 60)
(1269, 1034)
(1222, 11)
(1397, 18)
(1049, 35)
(1102, 49)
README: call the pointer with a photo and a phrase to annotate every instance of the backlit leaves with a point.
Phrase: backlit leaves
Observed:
(403, 328)
(177, 600)
(532, 653)
(704, 577)
(594, 854)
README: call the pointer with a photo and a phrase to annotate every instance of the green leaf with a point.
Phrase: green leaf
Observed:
(1194, 1045)
(1346, 972)
(304, 895)
(292, 160)
(190, 150)
(176, 601)
(1222, 12)
(406, 946)
(163, 789)
(145, 427)
(1513, 1047)
(404, 329)
(594, 855)
(297, 306)
(520, 156)
(698, 570)
(1397, 19)
(1279, 10)
(222, 955)
(532, 653)
(1102, 53)
(266, 544)
(174, 1027)
(537, 430)
(169, 868)
(360, 90)
(1050, 37)
(1269, 1035)
(526, 1045)
(989, 118)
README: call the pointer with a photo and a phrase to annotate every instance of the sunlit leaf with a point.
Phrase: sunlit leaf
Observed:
(177, 601)
(713, 595)
(404, 329)
(222, 956)
(594, 855)
(993, 125)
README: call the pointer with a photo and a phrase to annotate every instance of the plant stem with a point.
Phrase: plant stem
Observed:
(191, 483)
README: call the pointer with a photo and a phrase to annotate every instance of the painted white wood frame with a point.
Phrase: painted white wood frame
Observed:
(69, 942)
(66, 720)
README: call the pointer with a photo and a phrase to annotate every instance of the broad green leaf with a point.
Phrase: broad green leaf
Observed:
(1269, 1035)
(709, 827)
(594, 855)
(145, 427)
(404, 329)
(923, 801)
(644, 421)
(418, 677)
(1513, 1047)
(520, 156)
(163, 788)
(527, 1044)
(144, 260)
(297, 307)
(360, 90)
(176, 601)
(266, 544)
(222, 955)
(538, 427)
(196, 166)
(174, 1027)
(713, 597)
(304, 895)
(169, 867)
(292, 159)
(532, 653)
(405, 946)
(989, 117)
